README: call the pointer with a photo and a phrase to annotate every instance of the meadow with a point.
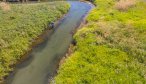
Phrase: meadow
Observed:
(110, 48)
(20, 25)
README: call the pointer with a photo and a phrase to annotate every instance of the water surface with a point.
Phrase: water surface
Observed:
(44, 59)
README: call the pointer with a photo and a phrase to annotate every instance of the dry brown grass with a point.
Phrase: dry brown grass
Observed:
(4, 6)
(123, 37)
(124, 5)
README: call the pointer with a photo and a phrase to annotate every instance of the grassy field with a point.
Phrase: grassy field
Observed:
(111, 47)
(20, 24)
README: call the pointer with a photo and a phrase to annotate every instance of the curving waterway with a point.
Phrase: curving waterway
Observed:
(44, 58)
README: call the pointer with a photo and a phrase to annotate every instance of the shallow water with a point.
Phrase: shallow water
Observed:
(44, 59)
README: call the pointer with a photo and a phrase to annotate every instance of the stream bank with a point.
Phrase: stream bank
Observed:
(44, 58)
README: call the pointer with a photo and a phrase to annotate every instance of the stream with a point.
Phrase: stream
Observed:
(44, 58)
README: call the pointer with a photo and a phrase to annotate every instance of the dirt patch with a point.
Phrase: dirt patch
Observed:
(5, 6)
(124, 5)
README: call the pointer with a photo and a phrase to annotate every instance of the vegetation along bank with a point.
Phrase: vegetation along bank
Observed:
(111, 47)
(20, 25)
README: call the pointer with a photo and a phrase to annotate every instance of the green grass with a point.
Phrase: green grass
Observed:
(111, 47)
(20, 25)
(100, 65)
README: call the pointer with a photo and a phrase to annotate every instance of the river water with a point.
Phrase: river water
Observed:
(44, 59)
